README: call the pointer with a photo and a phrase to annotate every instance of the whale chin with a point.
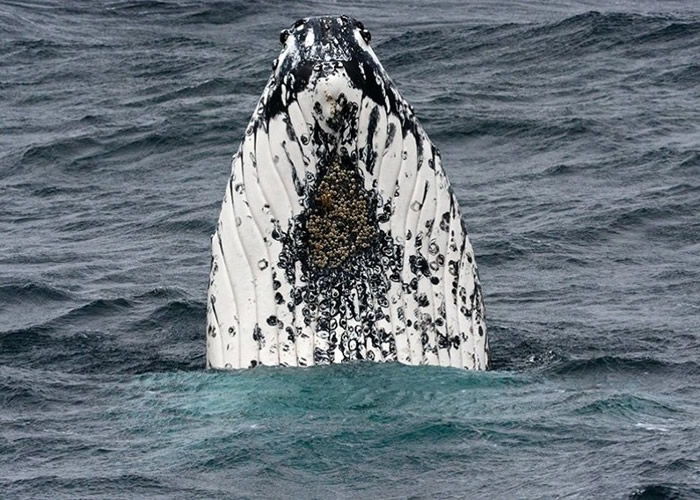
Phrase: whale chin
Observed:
(339, 237)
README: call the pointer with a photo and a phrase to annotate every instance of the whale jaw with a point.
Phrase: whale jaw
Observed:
(339, 237)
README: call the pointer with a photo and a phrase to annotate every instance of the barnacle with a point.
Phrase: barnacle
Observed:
(338, 224)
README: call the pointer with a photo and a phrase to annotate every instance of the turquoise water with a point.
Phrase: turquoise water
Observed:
(340, 431)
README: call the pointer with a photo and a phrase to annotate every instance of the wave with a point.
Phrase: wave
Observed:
(176, 311)
(114, 152)
(31, 292)
(60, 149)
(664, 491)
(152, 331)
(138, 6)
(666, 221)
(167, 347)
(22, 340)
(588, 34)
(22, 387)
(629, 405)
(595, 31)
(693, 157)
(449, 127)
(99, 308)
(76, 486)
(500, 252)
(671, 33)
(622, 364)
(214, 87)
(222, 13)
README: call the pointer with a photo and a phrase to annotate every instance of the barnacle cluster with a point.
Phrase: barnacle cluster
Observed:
(338, 224)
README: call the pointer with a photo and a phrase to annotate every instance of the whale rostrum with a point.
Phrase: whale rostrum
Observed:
(339, 237)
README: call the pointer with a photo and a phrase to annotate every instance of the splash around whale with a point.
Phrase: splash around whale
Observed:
(339, 237)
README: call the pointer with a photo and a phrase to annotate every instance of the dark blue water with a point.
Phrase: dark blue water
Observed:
(571, 132)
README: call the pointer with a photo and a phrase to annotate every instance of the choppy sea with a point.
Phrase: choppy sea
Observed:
(571, 133)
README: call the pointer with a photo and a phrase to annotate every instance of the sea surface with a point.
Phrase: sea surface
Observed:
(571, 133)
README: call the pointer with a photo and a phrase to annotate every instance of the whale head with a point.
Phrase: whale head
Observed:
(340, 238)
(326, 39)
(331, 52)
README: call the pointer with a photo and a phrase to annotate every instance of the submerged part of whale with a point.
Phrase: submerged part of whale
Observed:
(339, 237)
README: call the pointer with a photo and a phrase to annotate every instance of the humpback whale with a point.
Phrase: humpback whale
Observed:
(339, 237)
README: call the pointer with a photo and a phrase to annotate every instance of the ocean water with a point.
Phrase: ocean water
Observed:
(571, 133)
